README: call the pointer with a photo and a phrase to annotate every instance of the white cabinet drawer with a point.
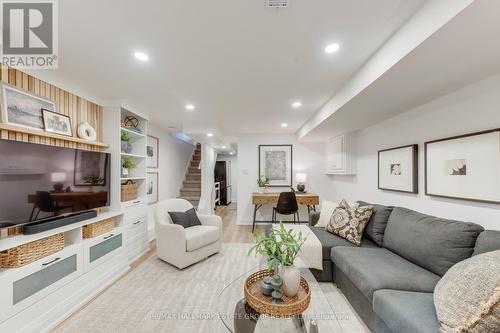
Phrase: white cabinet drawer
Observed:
(98, 250)
(135, 207)
(135, 227)
(23, 286)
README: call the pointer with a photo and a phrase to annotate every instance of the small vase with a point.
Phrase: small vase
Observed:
(124, 172)
(291, 280)
(126, 147)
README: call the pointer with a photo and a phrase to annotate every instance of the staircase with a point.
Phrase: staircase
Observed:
(191, 188)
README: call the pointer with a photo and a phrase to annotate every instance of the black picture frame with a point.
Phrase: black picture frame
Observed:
(414, 166)
(426, 165)
(288, 184)
(46, 113)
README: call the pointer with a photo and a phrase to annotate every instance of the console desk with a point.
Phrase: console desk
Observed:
(271, 198)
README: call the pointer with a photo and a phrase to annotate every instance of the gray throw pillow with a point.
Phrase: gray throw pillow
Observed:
(375, 228)
(467, 298)
(187, 219)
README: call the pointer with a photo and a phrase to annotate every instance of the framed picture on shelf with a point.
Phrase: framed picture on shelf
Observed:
(56, 123)
(464, 167)
(152, 152)
(275, 164)
(24, 109)
(152, 187)
(398, 169)
(90, 168)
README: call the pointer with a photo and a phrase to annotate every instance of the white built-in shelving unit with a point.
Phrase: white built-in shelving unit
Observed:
(135, 211)
(37, 296)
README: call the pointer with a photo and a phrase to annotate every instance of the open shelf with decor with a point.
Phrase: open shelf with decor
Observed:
(132, 144)
(135, 135)
(126, 133)
(30, 131)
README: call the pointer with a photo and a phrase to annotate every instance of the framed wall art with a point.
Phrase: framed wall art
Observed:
(23, 109)
(152, 187)
(464, 167)
(398, 169)
(152, 152)
(56, 123)
(275, 164)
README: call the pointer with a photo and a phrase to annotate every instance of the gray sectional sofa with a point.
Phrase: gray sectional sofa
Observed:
(389, 280)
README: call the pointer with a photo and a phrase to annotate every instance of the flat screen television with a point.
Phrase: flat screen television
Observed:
(39, 181)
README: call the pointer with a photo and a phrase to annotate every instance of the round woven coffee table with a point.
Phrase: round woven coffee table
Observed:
(238, 316)
(291, 306)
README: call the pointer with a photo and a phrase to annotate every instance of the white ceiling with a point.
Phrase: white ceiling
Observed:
(240, 63)
(460, 53)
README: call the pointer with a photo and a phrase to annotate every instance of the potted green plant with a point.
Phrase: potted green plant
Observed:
(280, 248)
(127, 165)
(126, 144)
(263, 183)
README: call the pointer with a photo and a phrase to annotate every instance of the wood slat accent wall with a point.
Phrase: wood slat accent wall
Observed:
(77, 108)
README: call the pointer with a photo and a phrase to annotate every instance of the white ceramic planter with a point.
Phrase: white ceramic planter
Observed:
(291, 280)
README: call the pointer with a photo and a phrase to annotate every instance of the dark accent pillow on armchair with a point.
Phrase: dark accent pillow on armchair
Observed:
(187, 219)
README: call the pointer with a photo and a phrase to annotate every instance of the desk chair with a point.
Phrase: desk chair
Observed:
(287, 205)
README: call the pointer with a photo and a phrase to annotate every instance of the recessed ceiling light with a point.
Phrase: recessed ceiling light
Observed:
(190, 107)
(332, 48)
(223, 147)
(284, 125)
(297, 104)
(141, 56)
(210, 134)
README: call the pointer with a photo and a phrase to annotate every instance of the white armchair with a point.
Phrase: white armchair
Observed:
(181, 246)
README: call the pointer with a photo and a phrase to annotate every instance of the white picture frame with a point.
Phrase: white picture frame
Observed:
(276, 164)
(24, 109)
(152, 152)
(152, 191)
(465, 167)
(398, 169)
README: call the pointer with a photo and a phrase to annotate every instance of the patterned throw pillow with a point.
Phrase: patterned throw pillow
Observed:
(467, 298)
(349, 222)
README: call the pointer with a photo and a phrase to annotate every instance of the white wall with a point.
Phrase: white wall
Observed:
(234, 174)
(208, 159)
(175, 156)
(307, 157)
(471, 109)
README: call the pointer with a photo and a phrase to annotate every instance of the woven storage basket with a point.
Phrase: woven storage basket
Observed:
(129, 191)
(27, 253)
(291, 306)
(98, 228)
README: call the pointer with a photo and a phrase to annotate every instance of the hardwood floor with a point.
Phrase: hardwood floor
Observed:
(233, 233)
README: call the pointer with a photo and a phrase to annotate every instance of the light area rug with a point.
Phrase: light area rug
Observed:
(157, 297)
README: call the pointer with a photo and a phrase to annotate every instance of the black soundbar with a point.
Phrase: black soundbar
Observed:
(57, 221)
